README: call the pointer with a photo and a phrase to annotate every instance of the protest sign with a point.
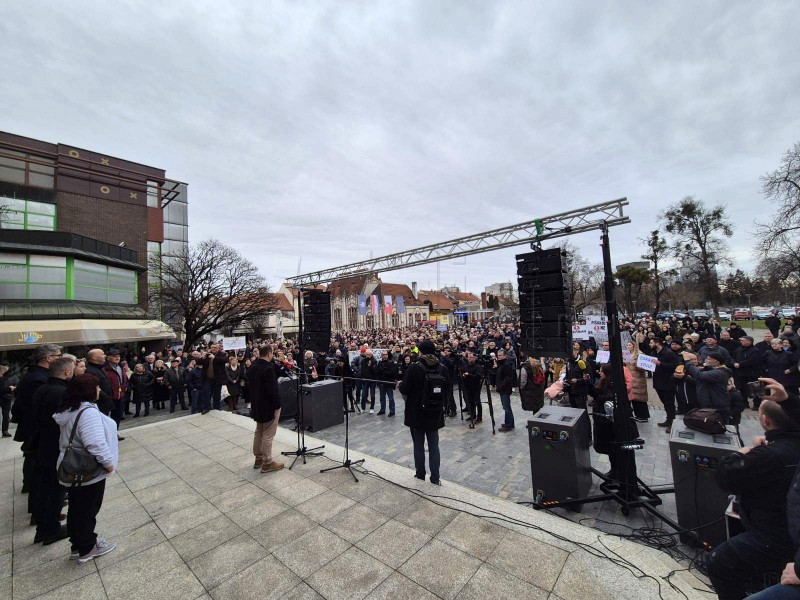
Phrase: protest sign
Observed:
(234, 343)
(648, 363)
(603, 356)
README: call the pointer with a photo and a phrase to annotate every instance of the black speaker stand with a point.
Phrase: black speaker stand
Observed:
(346, 463)
(301, 432)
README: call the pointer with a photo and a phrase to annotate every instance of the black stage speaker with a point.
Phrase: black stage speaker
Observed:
(287, 391)
(317, 320)
(544, 308)
(322, 404)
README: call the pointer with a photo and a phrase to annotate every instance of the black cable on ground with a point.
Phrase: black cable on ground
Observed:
(615, 558)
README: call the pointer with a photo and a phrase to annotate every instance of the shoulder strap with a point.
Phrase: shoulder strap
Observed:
(75, 424)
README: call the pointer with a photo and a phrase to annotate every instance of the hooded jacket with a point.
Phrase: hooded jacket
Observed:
(96, 433)
(412, 387)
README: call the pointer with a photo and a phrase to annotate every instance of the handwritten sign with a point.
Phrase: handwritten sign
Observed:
(648, 363)
(603, 356)
(234, 343)
(627, 357)
(580, 332)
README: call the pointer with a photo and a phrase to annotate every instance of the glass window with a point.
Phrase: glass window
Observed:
(26, 214)
(15, 273)
(47, 261)
(47, 292)
(17, 259)
(47, 275)
(88, 266)
(20, 168)
(120, 297)
(13, 291)
(91, 294)
(87, 278)
(153, 194)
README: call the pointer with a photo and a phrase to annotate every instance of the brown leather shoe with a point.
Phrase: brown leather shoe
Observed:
(273, 466)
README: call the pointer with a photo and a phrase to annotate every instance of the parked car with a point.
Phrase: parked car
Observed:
(723, 315)
(699, 312)
(664, 314)
(680, 314)
(784, 312)
(761, 313)
(741, 314)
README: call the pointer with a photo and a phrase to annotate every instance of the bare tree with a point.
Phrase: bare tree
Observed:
(778, 242)
(632, 280)
(657, 252)
(698, 238)
(211, 287)
(585, 279)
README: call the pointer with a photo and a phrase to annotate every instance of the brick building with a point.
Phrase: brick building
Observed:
(76, 230)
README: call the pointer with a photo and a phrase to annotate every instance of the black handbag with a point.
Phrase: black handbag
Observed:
(705, 420)
(78, 465)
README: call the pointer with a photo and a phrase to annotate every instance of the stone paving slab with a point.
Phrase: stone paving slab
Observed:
(303, 534)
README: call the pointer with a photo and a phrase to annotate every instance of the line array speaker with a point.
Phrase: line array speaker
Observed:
(545, 311)
(317, 320)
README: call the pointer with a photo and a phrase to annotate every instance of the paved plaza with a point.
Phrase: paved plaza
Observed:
(193, 519)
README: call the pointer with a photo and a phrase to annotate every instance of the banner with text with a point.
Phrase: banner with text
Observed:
(648, 363)
(234, 343)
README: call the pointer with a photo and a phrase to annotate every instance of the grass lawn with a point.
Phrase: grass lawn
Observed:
(757, 324)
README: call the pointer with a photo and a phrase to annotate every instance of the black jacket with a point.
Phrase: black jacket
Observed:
(175, 380)
(412, 387)
(662, 377)
(141, 384)
(387, 371)
(23, 405)
(263, 395)
(46, 402)
(750, 361)
(106, 402)
(505, 376)
(762, 478)
(472, 375)
(712, 386)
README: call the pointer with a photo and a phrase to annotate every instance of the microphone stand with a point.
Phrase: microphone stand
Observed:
(301, 432)
(346, 463)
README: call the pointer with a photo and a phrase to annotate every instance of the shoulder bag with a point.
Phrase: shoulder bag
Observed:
(78, 465)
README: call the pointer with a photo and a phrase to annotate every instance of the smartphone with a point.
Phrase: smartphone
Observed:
(757, 389)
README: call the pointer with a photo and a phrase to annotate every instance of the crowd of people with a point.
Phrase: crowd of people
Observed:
(63, 401)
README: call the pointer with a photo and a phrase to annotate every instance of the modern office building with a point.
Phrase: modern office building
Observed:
(77, 230)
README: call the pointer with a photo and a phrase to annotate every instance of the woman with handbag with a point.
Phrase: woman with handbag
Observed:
(89, 454)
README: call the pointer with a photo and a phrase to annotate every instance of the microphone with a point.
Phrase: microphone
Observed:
(582, 365)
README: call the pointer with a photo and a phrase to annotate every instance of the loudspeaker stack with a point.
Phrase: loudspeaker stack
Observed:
(317, 320)
(544, 308)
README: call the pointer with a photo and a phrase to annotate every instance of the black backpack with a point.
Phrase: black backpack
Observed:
(433, 391)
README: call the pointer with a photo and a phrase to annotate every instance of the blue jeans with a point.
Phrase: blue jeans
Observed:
(367, 386)
(505, 399)
(778, 592)
(734, 562)
(194, 397)
(387, 390)
(419, 435)
(216, 395)
(205, 395)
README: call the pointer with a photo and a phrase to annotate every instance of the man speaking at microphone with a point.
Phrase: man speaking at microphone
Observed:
(265, 408)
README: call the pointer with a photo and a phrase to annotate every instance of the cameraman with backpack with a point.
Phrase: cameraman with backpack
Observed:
(425, 386)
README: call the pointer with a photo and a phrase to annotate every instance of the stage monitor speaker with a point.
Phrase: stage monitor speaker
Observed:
(544, 307)
(316, 320)
(695, 459)
(558, 438)
(322, 404)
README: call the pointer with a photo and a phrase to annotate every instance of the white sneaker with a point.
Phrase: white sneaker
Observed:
(371, 411)
(101, 547)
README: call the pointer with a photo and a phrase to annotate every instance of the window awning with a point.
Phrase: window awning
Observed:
(17, 335)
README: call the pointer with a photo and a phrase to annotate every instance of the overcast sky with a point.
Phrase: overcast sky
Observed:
(330, 130)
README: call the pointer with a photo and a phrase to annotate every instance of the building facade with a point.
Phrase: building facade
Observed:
(77, 231)
(391, 313)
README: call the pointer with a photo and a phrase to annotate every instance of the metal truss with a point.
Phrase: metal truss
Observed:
(534, 231)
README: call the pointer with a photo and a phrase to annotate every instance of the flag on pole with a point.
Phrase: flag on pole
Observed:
(387, 304)
(362, 304)
(401, 305)
(375, 305)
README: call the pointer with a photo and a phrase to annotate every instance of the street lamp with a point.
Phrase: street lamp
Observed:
(750, 308)
(669, 301)
(634, 308)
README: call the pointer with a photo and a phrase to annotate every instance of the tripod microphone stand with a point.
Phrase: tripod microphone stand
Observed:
(346, 463)
(301, 432)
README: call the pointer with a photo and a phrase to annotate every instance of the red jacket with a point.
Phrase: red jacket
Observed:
(117, 387)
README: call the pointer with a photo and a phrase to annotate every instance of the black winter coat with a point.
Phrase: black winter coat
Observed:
(505, 376)
(263, 395)
(141, 386)
(532, 395)
(777, 363)
(762, 478)
(388, 372)
(105, 403)
(663, 376)
(23, 405)
(750, 361)
(46, 401)
(412, 387)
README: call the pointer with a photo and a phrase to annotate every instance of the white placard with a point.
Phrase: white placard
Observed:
(234, 343)
(648, 363)
(603, 356)
(627, 357)
(580, 332)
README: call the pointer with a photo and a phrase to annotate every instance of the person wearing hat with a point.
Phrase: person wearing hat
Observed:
(175, 378)
(712, 381)
(424, 424)
(119, 382)
(748, 365)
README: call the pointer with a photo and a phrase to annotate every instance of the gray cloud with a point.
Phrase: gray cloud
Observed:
(328, 130)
